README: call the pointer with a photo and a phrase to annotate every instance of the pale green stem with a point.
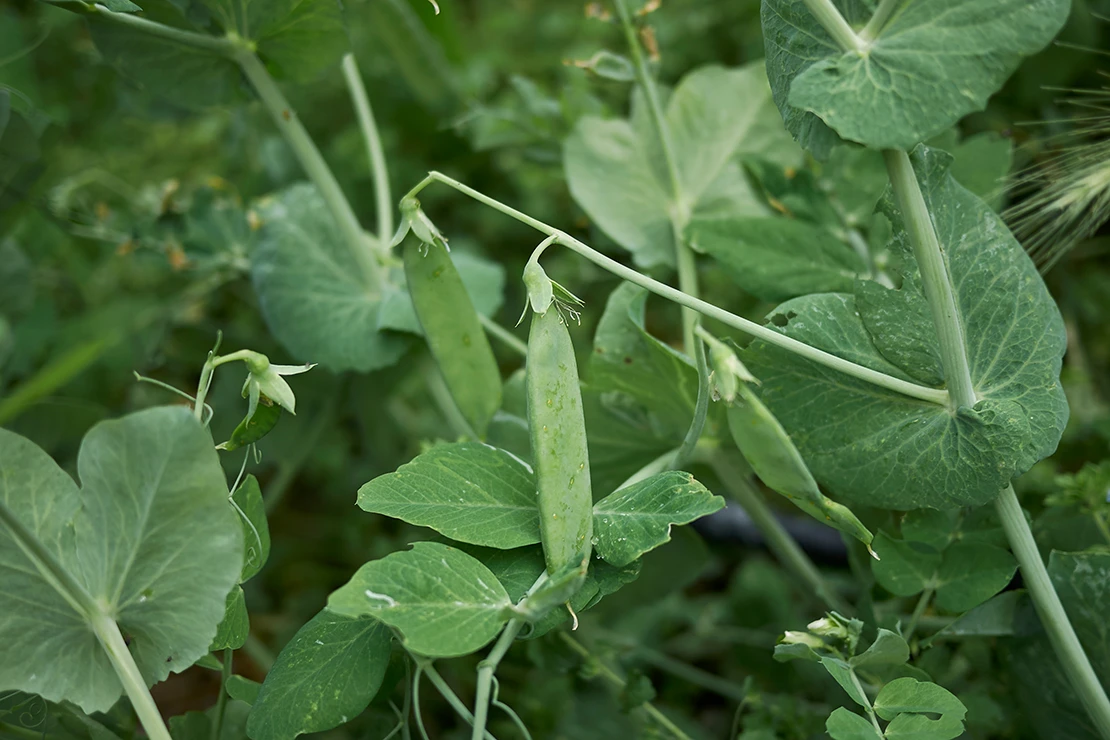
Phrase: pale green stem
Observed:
(934, 277)
(202, 390)
(486, 669)
(1051, 611)
(918, 610)
(285, 118)
(451, 697)
(446, 402)
(506, 337)
(225, 47)
(911, 390)
(679, 669)
(833, 22)
(879, 20)
(867, 707)
(107, 632)
(366, 122)
(611, 676)
(658, 465)
(778, 539)
(221, 700)
(701, 404)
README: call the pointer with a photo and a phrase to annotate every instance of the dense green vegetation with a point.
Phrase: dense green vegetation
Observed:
(383, 369)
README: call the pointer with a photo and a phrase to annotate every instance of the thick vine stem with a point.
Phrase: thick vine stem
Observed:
(1051, 611)
(304, 148)
(833, 22)
(486, 670)
(878, 20)
(107, 632)
(882, 380)
(934, 277)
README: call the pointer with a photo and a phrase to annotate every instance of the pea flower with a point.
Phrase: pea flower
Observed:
(265, 379)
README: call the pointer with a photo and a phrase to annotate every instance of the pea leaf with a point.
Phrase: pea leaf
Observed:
(256, 530)
(870, 445)
(628, 359)
(907, 702)
(622, 437)
(971, 573)
(996, 617)
(1080, 579)
(236, 625)
(903, 568)
(637, 519)
(468, 491)
(617, 173)
(778, 258)
(846, 725)
(444, 602)
(310, 287)
(888, 649)
(981, 162)
(842, 672)
(149, 535)
(930, 65)
(327, 674)
(243, 689)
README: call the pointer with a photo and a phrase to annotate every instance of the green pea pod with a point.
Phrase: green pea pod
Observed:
(558, 431)
(454, 332)
(255, 428)
(774, 458)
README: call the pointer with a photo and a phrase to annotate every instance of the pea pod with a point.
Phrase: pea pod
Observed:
(253, 428)
(454, 332)
(558, 432)
(768, 448)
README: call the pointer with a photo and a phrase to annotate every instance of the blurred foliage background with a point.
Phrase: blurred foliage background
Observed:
(125, 237)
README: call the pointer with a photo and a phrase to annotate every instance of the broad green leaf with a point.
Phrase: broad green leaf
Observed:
(637, 519)
(903, 568)
(444, 602)
(930, 65)
(778, 258)
(994, 618)
(628, 359)
(256, 530)
(888, 649)
(617, 174)
(980, 163)
(930, 527)
(149, 534)
(842, 672)
(872, 446)
(971, 573)
(189, 76)
(327, 674)
(846, 725)
(468, 491)
(908, 703)
(310, 287)
(242, 689)
(622, 437)
(454, 332)
(198, 725)
(236, 624)
(1081, 580)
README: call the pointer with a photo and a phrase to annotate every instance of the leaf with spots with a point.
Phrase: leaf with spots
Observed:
(326, 675)
(882, 449)
(444, 602)
(468, 491)
(637, 519)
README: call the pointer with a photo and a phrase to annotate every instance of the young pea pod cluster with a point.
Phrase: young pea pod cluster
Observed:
(558, 432)
(768, 448)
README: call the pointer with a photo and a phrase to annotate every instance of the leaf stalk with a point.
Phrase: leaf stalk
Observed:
(107, 632)
(361, 102)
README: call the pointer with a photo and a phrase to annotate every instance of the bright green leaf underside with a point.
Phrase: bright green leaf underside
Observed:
(882, 449)
(149, 533)
(932, 63)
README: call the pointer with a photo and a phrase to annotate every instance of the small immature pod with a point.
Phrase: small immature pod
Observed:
(454, 332)
(558, 431)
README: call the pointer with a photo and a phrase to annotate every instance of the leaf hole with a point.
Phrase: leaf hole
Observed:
(780, 319)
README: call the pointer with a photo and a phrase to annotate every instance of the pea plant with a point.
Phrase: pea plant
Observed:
(907, 375)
